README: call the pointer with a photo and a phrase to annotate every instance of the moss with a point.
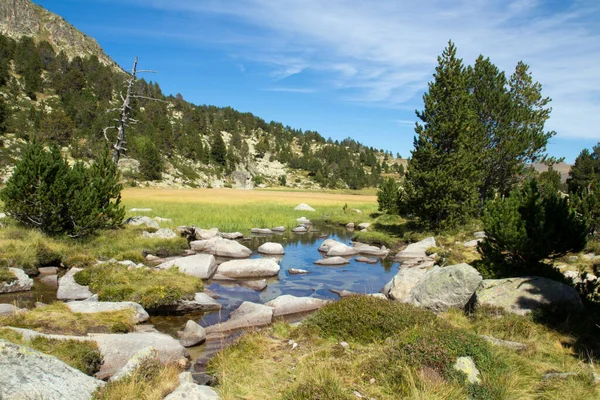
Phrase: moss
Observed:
(150, 288)
(6, 275)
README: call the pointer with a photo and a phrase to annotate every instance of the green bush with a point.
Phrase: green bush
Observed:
(45, 192)
(525, 228)
(387, 196)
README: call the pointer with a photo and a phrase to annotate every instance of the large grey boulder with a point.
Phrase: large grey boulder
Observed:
(253, 268)
(201, 266)
(342, 250)
(162, 233)
(68, 289)
(192, 335)
(188, 390)
(328, 244)
(221, 247)
(332, 261)
(26, 373)
(304, 207)
(248, 315)
(416, 250)
(401, 285)
(22, 282)
(288, 304)
(147, 353)
(91, 307)
(142, 220)
(8, 309)
(443, 288)
(271, 248)
(523, 295)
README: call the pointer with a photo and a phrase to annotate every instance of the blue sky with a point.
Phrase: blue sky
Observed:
(354, 68)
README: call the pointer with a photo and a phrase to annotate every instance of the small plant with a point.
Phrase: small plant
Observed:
(257, 179)
(282, 180)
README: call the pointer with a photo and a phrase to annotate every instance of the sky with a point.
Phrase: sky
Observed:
(351, 68)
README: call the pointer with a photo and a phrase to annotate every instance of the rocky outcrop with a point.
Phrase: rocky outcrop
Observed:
(523, 295)
(270, 248)
(248, 315)
(134, 362)
(68, 289)
(201, 266)
(332, 261)
(26, 373)
(91, 307)
(188, 390)
(416, 250)
(162, 233)
(192, 335)
(221, 247)
(288, 305)
(20, 283)
(142, 220)
(401, 285)
(253, 268)
(200, 302)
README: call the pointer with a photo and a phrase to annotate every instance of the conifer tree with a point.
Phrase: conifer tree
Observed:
(387, 196)
(585, 171)
(218, 151)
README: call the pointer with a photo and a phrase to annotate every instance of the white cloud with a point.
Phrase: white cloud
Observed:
(384, 52)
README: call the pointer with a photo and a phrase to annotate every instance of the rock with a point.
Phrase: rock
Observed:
(444, 288)
(248, 315)
(193, 334)
(523, 295)
(50, 280)
(366, 260)
(342, 250)
(271, 248)
(300, 229)
(8, 309)
(26, 373)
(350, 225)
(188, 390)
(258, 285)
(328, 244)
(152, 258)
(253, 268)
(2, 215)
(343, 293)
(166, 220)
(558, 375)
(204, 234)
(278, 229)
(143, 220)
(304, 207)
(201, 302)
(467, 365)
(261, 231)
(22, 282)
(140, 210)
(232, 235)
(298, 271)
(332, 261)
(479, 234)
(403, 283)
(162, 233)
(504, 343)
(416, 250)
(288, 304)
(373, 251)
(303, 221)
(221, 247)
(48, 270)
(68, 289)
(472, 243)
(201, 266)
(91, 307)
(364, 225)
(134, 362)
(127, 263)
(345, 345)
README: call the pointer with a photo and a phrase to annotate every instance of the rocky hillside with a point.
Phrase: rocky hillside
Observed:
(58, 85)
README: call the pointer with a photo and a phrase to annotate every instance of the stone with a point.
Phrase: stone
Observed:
(558, 375)
(328, 244)
(221, 247)
(201, 266)
(68, 289)
(50, 280)
(201, 302)
(188, 390)
(252, 268)
(479, 234)
(298, 271)
(261, 231)
(523, 295)
(288, 305)
(2, 215)
(350, 225)
(332, 261)
(300, 229)
(403, 283)
(152, 258)
(343, 293)
(128, 263)
(467, 366)
(304, 207)
(504, 343)
(271, 248)
(416, 250)
(444, 288)
(342, 250)
(303, 221)
(373, 251)
(140, 210)
(135, 361)
(364, 225)
(166, 220)
(92, 307)
(366, 260)
(248, 315)
(22, 282)
(231, 235)
(258, 285)
(162, 233)
(472, 243)
(8, 309)
(26, 373)
(278, 229)
(192, 335)
(48, 270)
(142, 220)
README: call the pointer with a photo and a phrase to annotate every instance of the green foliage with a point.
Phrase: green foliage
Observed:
(151, 162)
(525, 228)
(318, 388)
(387, 196)
(4, 116)
(6, 276)
(46, 193)
(282, 180)
(257, 179)
(218, 151)
(586, 171)
(587, 205)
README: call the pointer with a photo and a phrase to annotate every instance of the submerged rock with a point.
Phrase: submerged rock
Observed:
(373, 251)
(258, 285)
(366, 260)
(21, 283)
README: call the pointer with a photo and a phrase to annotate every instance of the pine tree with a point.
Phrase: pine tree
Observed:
(218, 151)
(585, 171)
(387, 196)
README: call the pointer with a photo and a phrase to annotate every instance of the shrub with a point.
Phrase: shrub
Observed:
(282, 180)
(526, 228)
(257, 179)
(46, 193)
(151, 162)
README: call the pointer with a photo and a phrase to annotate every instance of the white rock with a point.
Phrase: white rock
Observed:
(203, 234)
(258, 285)
(288, 304)
(467, 365)
(298, 271)
(261, 231)
(21, 284)
(472, 243)
(364, 225)
(142, 220)
(134, 362)
(91, 307)
(246, 316)
(193, 334)
(232, 235)
(201, 266)
(188, 390)
(252, 268)
(332, 261)
(416, 250)
(342, 250)
(303, 221)
(162, 233)
(8, 309)
(304, 207)
(278, 229)
(68, 289)
(328, 244)
(403, 283)
(221, 247)
(300, 229)
(373, 251)
(271, 248)
(350, 225)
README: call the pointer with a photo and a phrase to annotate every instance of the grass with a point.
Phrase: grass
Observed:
(151, 380)
(82, 355)
(57, 318)
(150, 288)
(6, 276)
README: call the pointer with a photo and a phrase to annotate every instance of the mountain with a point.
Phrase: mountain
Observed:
(59, 86)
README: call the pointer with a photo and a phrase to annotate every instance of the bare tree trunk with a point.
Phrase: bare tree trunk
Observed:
(118, 148)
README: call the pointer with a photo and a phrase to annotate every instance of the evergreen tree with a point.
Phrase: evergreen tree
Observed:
(151, 162)
(585, 171)
(218, 151)
(4, 115)
(387, 196)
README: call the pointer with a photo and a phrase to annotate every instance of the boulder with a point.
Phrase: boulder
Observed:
(332, 261)
(271, 248)
(523, 295)
(258, 285)
(201, 266)
(68, 289)
(8, 309)
(467, 366)
(192, 335)
(373, 251)
(472, 243)
(342, 250)
(402, 284)
(22, 282)
(162, 233)
(221, 247)
(328, 244)
(416, 250)
(48, 270)
(443, 288)
(248, 315)
(288, 304)
(201, 302)
(350, 225)
(304, 207)
(231, 235)
(26, 373)
(479, 234)
(298, 271)
(253, 268)
(50, 280)
(188, 390)
(134, 362)
(261, 231)
(303, 221)
(363, 225)
(91, 307)
(300, 229)
(366, 260)
(142, 220)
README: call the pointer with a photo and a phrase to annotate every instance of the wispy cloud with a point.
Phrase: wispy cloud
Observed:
(384, 52)
(290, 90)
